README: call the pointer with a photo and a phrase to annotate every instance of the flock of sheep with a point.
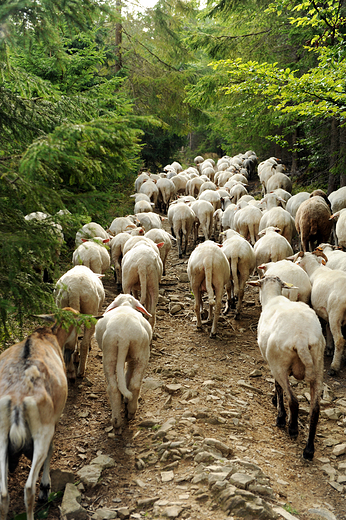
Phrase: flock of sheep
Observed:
(296, 289)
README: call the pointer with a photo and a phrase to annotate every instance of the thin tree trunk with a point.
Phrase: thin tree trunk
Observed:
(118, 39)
(333, 179)
(294, 154)
(342, 156)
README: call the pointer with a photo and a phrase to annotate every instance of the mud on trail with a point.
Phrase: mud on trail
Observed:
(217, 389)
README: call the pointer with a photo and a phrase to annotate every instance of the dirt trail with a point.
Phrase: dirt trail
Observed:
(209, 401)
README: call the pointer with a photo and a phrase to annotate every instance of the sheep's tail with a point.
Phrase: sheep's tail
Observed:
(120, 369)
(304, 355)
(234, 270)
(208, 270)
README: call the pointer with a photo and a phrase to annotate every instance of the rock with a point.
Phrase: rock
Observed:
(328, 470)
(148, 423)
(167, 476)
(332, 414)
(285, 514)
(123, 512)
(218, 445)
(168, 425)
(204, 456)
(246, 385)
(174, 308)
(241, 480)
(150, 383)
(70, 506)
(172, 511)
(59, 479)
(104, 514)
(255, 373)
(172, 389)
(104, 461)
(183, 278)
(338, 487)
(339, 449)
(90, 475)
(143, 502)
(322, 513)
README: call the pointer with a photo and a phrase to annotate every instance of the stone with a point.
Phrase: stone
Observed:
(218, 445)
(332, 414)
(246, 385)
(168, 425)
(322, 513)
(183, 278)
(167, 476)
(285, 514)
(104, 514)
(338, 487)
(172, 389)
(172, 511)
(90, 475)
(241, 480)
(70, 507)
(216, 477)
(123, 512)
(204, 456)
(328, 470)
(149, 383)
(255, 373)
(104, 461)
(59, 479)
(339, 449)
(143, 502)
(174, 308)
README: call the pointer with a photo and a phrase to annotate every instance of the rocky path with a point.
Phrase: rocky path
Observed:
(204, 442)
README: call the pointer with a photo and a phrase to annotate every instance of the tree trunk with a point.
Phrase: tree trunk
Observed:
(118, 39)
(342, 156)
(333, 179)
(294, 153)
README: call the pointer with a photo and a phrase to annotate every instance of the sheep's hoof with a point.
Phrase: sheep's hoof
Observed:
(212, 335)
(281, 422)
(293, 432)
(200, 328)
(237, 316)
(44, 492)
(275, 400)
(332, 372)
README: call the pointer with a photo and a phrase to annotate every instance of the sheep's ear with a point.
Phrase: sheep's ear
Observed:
(143, 310)
(287, 285)
(105, 240)
(85, 240)
(254, 283)
(262, 267)
(160, 244)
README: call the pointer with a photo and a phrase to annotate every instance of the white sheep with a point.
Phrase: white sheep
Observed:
(246, 221)
(181, 218)
(89, 231)
(149, 221)
(292, 274)
(121, 224)
(211, 196)
(208, 271)
(117, 252)
(94, 254)
(149, 188)
(166, 193)
(338, 199)
(340, 229)
(336, 258)
(295, 201)
(271, 246)
(242, 261)
(164, 241)
(279, 218)
(228, 217)
(142, 271)
(204, 211)
(328, 299)
(82, 290)
(279, 180)
(143, 206)
(124, 337)
(291, 341)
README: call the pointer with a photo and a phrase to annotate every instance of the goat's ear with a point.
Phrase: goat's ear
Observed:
(254, 283)
(143, 310)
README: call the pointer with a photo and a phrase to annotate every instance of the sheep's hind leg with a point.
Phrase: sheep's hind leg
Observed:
(278, 401)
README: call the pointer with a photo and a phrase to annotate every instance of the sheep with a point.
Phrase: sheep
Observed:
(149, 188)
(117, 247)
(140, 240)
(160, 236)
(295, 201)
(207, 185)
(293, 274)
(279, 218)
(121, 224)
(149, 221)
(228, 217)
(336, 258)
(33, 392)
(217, 218)
(142, 270)
(237, 191)
(94, 254)
(193, 186)
(204, 211)
(290, 339)
(181, 218)
(283, 194)
(180, 182)
(340, 228)
(211, 196)
(143, 206)
(279, 180)
(140, 179)
(140, 196)
(242, 260)
(337, 199)
(271, 246)
(328, 299)
(313, 222)
(89, 231)
(82, 290)
(208, 271)
(246, 221)
(124, 336)
(166, 193)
